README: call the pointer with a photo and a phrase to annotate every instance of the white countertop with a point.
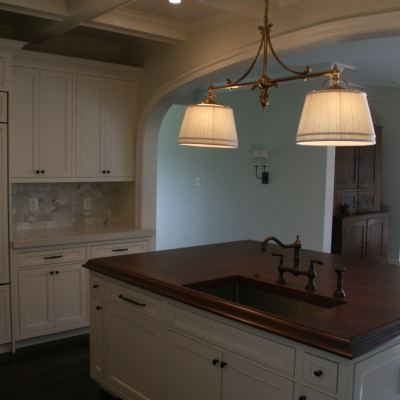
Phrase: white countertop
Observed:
(75, 234)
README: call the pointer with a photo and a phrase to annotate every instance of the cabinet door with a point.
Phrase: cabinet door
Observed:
(354, 237)
(242, 379)
(24, 123)
(96, 339)
(55, 124)
(367, 201)
(5, 318)
(346, 170)
(120, 119)
(4, 270)
(133, 354)
(91, 126)
(36, 299)
(70, 295)
(378, 377)
(194, 370)
(377, 238)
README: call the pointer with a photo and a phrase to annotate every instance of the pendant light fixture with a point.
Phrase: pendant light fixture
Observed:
(336, 116)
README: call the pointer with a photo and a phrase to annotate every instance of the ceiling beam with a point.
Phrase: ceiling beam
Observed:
(78, 13)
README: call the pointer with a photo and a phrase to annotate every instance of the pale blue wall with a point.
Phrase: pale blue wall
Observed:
(231, 204)
(385, 112)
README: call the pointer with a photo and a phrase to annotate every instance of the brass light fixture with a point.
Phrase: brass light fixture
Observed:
(336, 116)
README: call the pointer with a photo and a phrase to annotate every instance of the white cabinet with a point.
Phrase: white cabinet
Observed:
(4, 270)
(119, 248)
(96, 308)
(5, 321)
(41, 121)
(211, 373)
(378, 377)
(50, 292)
(133, 344)
(52, 298)
(105, 128)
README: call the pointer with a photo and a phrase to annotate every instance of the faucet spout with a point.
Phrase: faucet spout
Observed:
(296, 270)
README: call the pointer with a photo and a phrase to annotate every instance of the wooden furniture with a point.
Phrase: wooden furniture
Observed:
(193, 345)
(358, 229)
(362, 236)
(357, 177)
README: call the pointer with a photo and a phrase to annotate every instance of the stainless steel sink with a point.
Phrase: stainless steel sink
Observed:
(274, 299)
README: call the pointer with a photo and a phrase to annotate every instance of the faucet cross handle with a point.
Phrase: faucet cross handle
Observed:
(312, 274)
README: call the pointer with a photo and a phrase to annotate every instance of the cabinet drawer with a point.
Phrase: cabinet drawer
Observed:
(320, 372)
(55, 256)
(116, 249)
(268, 353)
(311, 394)
(96, 285)
(135, 300)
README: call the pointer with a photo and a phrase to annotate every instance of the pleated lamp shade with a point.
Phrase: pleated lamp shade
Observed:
(208, 125)
(336, 117)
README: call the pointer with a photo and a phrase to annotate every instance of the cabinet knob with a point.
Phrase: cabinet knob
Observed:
(51, 272)
(223, 365)
(302, 398)
(104, 171)
(98, 308)
(37, 172)
(95, 286)
(215, 361)
(318, 373)
(57, 272)
(108, 171)
(42, 171)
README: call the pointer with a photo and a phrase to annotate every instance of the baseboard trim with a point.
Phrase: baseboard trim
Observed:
(50, 338)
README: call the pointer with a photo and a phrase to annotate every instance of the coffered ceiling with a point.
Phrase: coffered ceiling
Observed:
(108, 30)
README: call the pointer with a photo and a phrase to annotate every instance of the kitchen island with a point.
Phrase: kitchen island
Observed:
(152, 323)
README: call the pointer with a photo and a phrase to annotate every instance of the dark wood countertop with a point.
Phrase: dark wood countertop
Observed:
(369, 316)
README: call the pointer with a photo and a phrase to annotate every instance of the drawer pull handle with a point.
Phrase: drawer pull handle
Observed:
(95, 286)
(318, 373)
(215, 361)
(120, 249)
(223, 365)
(98, 308)
(51, 257)
(131, 301)
(302, 398)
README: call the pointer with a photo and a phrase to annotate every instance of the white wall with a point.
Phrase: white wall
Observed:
(231, 203)
(385, 112)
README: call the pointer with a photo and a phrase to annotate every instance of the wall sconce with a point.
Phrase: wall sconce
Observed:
(260, 160)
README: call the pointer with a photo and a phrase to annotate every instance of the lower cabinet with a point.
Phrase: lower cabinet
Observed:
(378, 377)
(52, 298)
(226, 376)
(5, 326)
(362, 236)
(148, 347)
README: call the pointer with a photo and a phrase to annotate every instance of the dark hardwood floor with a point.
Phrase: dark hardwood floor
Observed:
(52, 371)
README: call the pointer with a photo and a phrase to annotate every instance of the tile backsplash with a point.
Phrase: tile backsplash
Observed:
(63, 204)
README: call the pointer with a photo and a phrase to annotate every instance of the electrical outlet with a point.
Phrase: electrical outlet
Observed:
(87, 204)
(33, 204)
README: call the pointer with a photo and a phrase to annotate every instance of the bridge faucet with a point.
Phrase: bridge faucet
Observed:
(296, 270)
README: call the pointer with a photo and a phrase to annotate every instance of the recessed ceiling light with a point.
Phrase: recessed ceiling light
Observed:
(175, 1)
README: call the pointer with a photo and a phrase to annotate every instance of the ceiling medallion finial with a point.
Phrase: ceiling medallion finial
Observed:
(347, 132)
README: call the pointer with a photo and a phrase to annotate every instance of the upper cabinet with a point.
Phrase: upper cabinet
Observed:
(105, 127)
(357, 178)
(41, 124)
(71, 120)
